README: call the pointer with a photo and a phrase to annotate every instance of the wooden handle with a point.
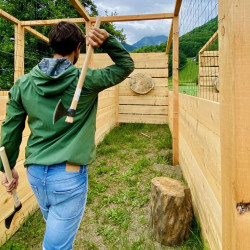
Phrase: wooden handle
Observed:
(8, 173)
(79, 86)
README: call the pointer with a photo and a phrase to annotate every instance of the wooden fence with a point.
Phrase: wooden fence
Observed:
(209, 71)
(106, 120)
(24, 191)
(200, 160)
(116, 104)
(149, 108)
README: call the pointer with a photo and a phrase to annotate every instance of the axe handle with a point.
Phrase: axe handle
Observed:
(8, 173)
(79, 86)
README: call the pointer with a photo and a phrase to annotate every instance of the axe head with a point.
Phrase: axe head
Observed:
(8, 220)
(60, 111)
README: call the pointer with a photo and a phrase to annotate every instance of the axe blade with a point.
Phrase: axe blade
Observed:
(8, 220)
(60, 111)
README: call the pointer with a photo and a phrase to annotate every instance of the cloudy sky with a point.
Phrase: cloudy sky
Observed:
(138, 29)
(193, 13)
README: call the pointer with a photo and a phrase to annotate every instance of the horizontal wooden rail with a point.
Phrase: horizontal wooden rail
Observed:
(8, 17)
(52, 22)
(142, 17)
(104, 19)
(37, 34)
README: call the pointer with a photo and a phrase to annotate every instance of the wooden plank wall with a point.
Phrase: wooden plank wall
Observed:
(153, 106)
(200, 160)
(208, 73)
(134, 108)
(24, 191)
(106, 120)
(106, 117)
(170, 110)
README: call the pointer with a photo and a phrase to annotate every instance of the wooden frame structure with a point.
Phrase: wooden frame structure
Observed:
(22, 26)
(234, 61)
(234, 115)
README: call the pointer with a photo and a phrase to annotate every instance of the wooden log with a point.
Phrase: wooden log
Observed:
(171, 211)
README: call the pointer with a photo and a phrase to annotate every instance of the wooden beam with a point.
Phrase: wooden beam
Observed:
(37, 34)
(177, 7)
(170, 37)
(209, 42)
(78, 6)
(127, 18)
(105, 19)
(176, 13)
(234, 61)
(117, 105)
(8, 17)
(52, 22)
(176, 90)
(19, 51)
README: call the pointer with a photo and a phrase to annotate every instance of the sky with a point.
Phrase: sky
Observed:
(193, 13)
(138, 29)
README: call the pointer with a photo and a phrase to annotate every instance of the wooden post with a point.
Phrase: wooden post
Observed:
(175, 90)
(19, 51)
(117, 105)
(234, 61)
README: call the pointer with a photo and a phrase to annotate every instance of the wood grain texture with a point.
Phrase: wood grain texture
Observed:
(141, 60)
(234, 64)
(207, 208)
(176, 88)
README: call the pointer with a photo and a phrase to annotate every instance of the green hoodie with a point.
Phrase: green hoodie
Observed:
(37, 94)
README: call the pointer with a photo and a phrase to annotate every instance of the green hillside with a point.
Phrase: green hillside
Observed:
(188, 78)
(190, 43)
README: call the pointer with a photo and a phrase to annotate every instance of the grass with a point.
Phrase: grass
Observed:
(188, 78)
(117, 215)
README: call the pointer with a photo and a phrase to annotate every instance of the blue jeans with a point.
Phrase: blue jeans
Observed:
(62, 198)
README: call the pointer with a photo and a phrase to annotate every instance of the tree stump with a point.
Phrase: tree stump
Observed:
(171, 211)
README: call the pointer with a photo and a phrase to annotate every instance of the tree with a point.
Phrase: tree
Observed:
(36, 49)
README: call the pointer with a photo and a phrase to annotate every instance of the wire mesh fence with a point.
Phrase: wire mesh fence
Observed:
(198, 60)
(20, 51)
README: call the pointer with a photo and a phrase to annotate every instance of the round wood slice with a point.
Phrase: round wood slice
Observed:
(141, 83)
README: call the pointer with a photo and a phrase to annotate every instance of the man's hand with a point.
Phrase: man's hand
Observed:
(97, 37)
(10, 186)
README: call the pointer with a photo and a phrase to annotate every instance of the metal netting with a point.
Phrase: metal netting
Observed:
(199, 69)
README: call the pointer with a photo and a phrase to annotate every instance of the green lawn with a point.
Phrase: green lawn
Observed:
(188, 78)
(117, 215)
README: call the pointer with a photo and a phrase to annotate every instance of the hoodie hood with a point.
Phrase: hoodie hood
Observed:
(47, 85)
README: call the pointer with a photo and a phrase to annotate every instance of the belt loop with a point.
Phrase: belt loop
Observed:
(46, 169)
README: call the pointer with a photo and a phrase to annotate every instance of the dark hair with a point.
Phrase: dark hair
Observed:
(64, 38)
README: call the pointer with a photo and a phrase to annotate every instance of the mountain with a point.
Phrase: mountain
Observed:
(191, 42)
(145, 41)
(128, 47)
(150, 40)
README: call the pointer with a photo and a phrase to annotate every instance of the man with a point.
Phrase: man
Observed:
(57, 154)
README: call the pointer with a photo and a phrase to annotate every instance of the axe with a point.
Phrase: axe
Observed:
(17, 203)
(60, 110)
